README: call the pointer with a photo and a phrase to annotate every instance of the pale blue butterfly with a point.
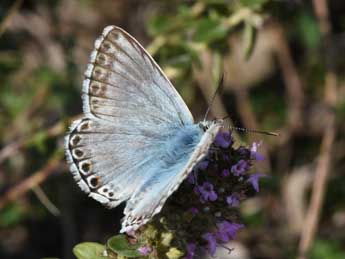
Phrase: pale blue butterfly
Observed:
(137, 141)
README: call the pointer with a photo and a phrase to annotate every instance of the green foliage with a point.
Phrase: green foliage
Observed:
(274, 114)
(161, 24)
(208, 30)
(253, 218)
(206, 24)
(120, 246)
(308, 31)
(38, 141)
(11, 215)
(255, 4)
(116, 247)
(249, 36)
(326, 249)
(181, 37)
(89, 250)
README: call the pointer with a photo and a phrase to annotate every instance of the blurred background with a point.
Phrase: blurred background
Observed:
(283, 64)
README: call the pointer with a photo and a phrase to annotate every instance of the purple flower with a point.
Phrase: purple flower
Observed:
(144, 250)
(225, 172)
(227, 230)
(223, 139)
(191, 178)
(254, 180)
(243, 151)
(233, 200)
(206, 192)
(226, 157)
(190, 250)
(211, 243)
(202, 165)
(254, 154)
(241, 167)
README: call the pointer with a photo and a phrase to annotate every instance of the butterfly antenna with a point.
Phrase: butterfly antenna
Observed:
(226, 117)
(219, 88)
(255, 131)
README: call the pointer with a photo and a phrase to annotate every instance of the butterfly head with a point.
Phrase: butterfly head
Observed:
(205, 125)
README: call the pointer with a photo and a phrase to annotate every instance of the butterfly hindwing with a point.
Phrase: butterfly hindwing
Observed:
(106, 160)
(149, 199)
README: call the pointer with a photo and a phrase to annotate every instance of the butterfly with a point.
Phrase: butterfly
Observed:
(137, 140)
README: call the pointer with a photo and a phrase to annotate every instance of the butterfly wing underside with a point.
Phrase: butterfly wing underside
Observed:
(129, 107)
(149, 199)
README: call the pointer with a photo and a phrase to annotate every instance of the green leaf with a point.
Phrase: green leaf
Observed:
(38, 141)
(208, 30)
(308, 31)
(249, 37)
(120, 246)
(89, 250)
(11, 215)
(159, 25)
(14, 103)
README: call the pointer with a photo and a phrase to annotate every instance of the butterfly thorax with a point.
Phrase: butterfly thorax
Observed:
(205, 125)
(181, 143)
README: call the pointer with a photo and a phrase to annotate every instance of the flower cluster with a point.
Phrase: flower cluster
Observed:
(202, 214)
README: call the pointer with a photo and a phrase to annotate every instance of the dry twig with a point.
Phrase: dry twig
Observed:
(14, 147)
(47, 203)
(32, 181)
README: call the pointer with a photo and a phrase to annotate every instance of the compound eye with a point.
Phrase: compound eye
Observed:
(203, 126)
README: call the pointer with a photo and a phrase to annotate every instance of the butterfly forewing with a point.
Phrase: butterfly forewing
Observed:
(122, 78)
